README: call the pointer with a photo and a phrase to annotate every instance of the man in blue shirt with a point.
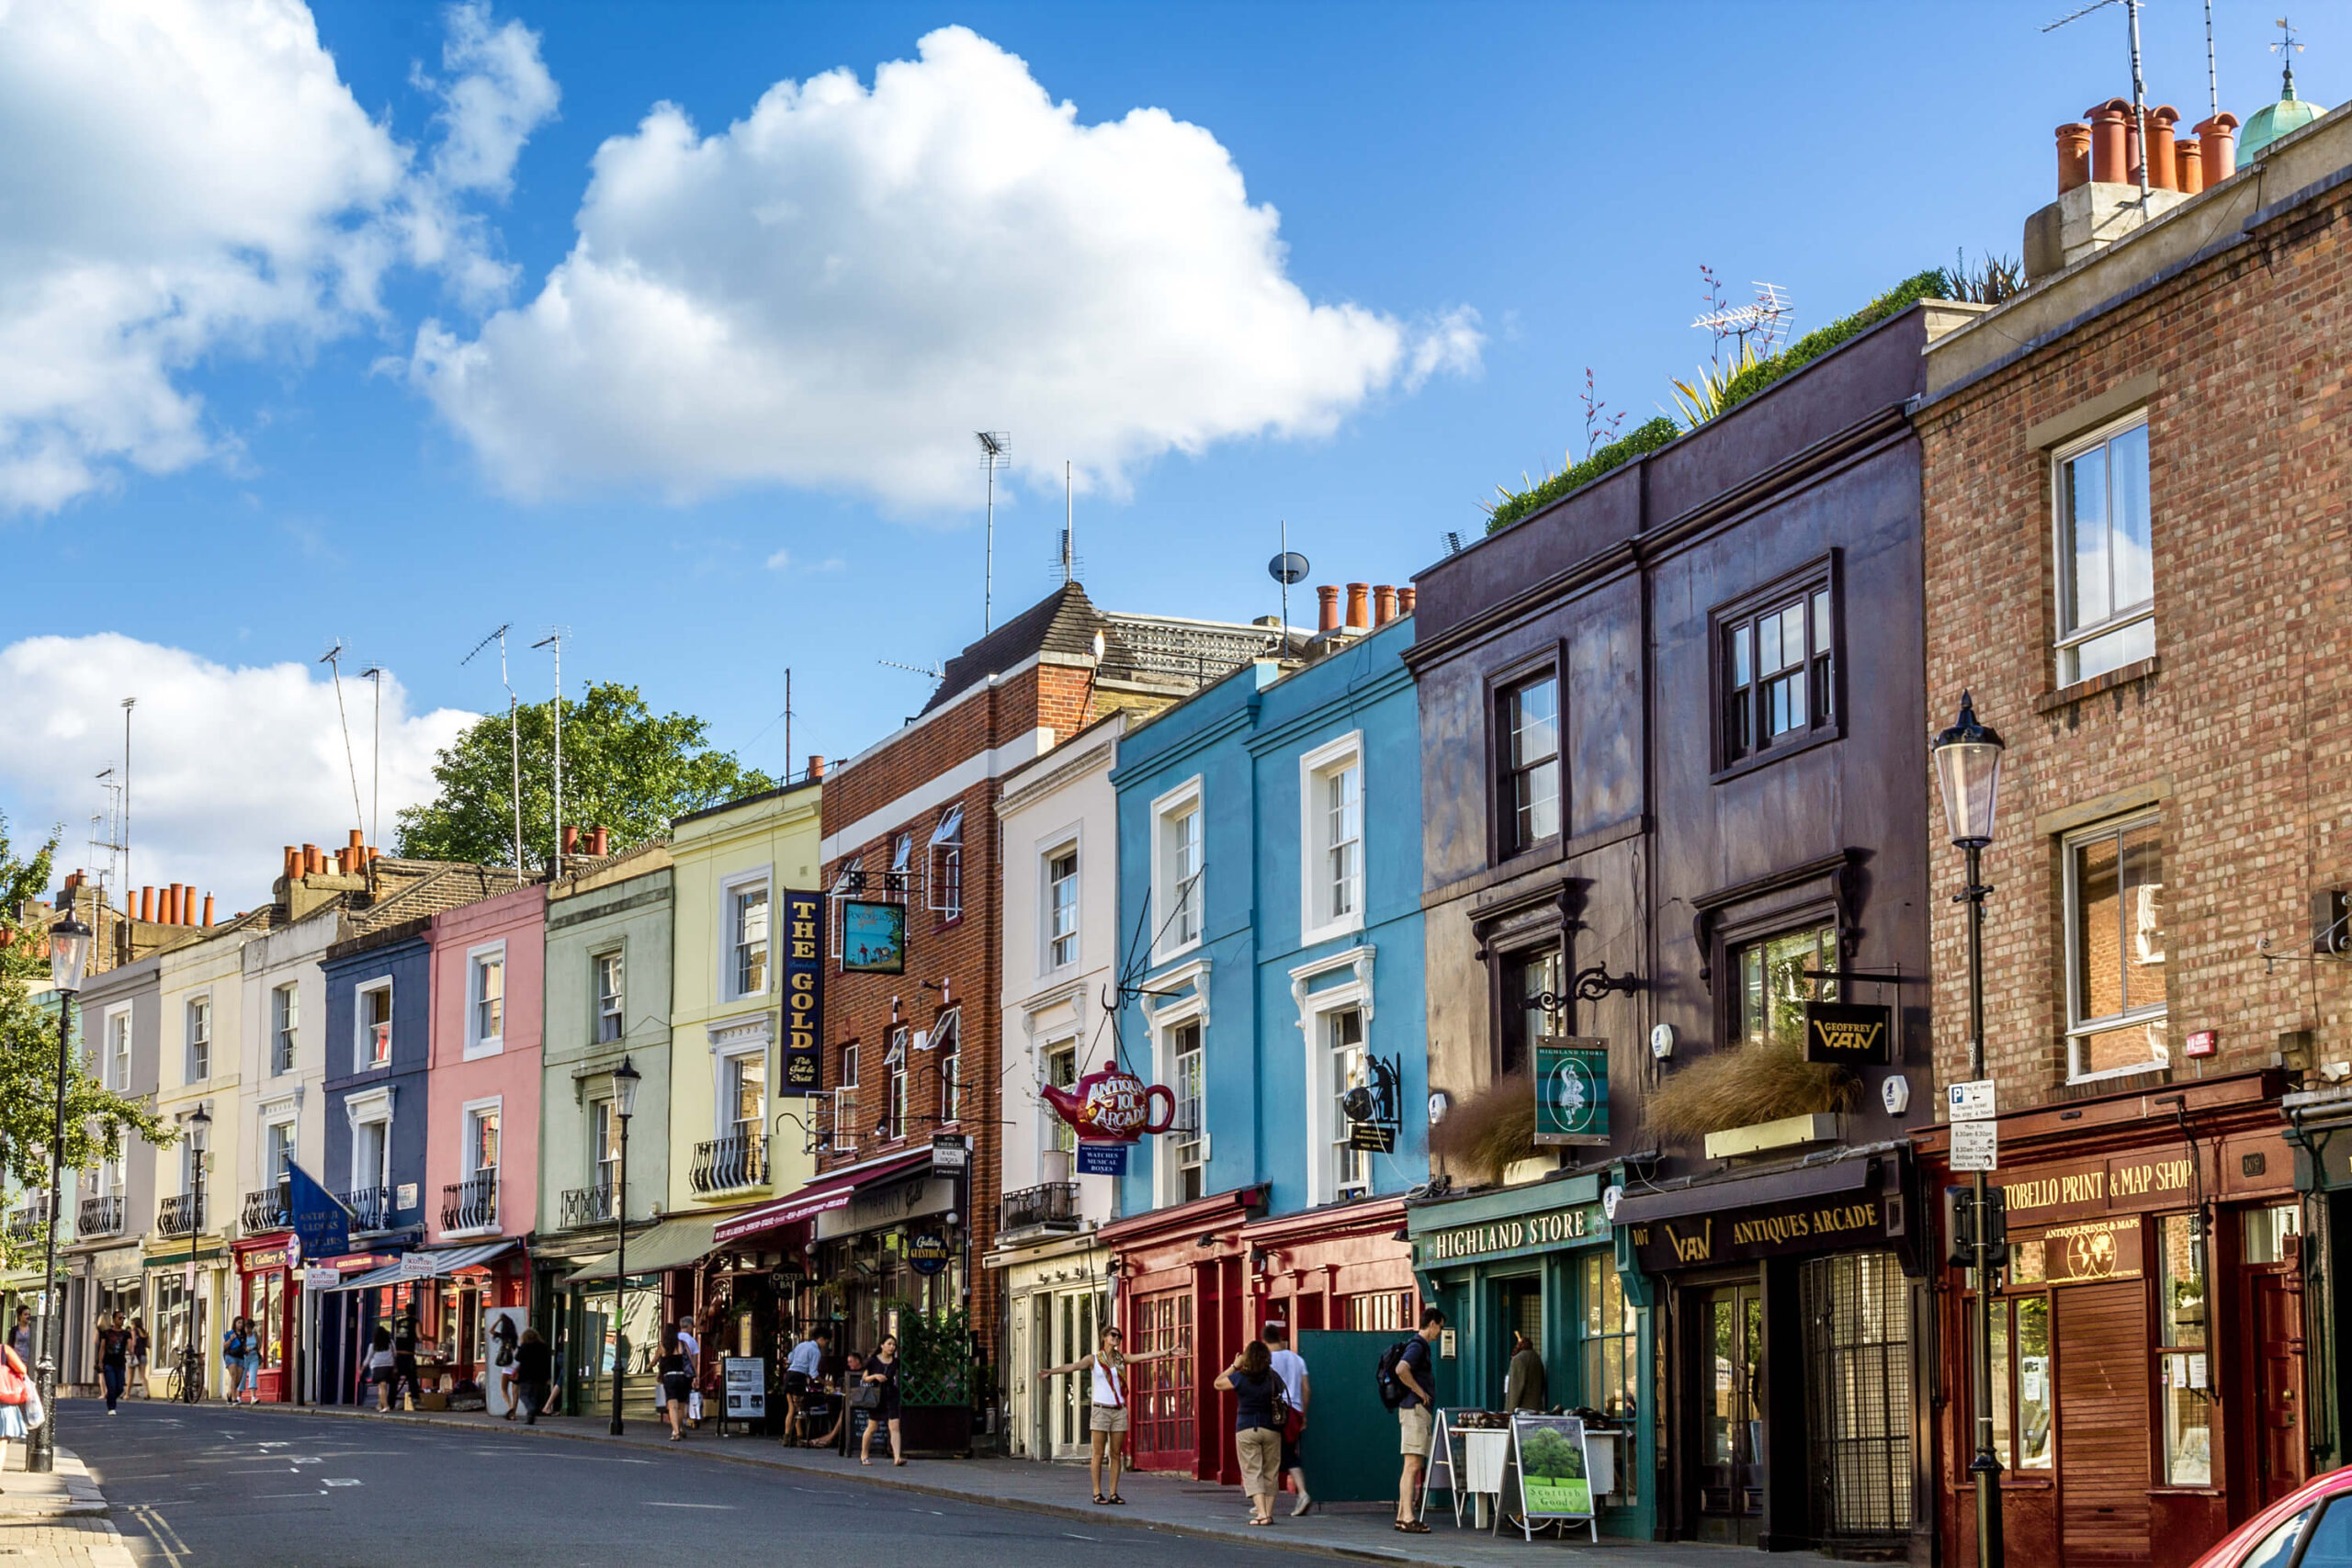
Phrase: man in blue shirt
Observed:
(800, 1370)
(1415, 1415)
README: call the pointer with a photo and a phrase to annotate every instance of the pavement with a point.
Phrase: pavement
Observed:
(1158, 1506)
(58, 1516)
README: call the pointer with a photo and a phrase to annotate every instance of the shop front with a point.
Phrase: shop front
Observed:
(2319, 1130)
(1057, 1302)
(2149, 1351)
(190, 1299)
(444, 1296)
(1184, 1287)
(269, 1292)
(1538, 1261)
(609, 1325)
(1794, 1388)
(346, 1322)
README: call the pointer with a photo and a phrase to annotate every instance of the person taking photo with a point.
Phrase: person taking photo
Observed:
(1107, 1417)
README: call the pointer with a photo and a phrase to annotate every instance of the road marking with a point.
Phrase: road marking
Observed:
(723, 1507)
(168, 1540)
(1074, 1535)
(338, 1481)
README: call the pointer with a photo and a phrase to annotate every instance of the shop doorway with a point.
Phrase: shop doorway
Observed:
(2272, 1311)
(1731, 1430)
(1519, 1309)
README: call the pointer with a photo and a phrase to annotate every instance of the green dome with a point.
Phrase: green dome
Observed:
(2273, 122)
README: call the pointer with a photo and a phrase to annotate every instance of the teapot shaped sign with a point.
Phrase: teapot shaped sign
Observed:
(1113, 1106)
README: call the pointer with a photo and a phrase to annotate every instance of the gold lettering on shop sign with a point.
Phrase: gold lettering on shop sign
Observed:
(1506, 1235)
(1692, 1248)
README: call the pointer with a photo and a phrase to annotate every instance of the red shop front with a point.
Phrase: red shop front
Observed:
(1183, 1285)
(1335, 1268)
(267, 1294)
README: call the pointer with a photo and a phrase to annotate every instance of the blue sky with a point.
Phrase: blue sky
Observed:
(1561, 170)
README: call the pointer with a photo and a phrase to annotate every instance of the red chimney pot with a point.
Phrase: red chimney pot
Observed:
(2074, 156)
(2164, 170)
(1328, 595)
(1359, 606)
(147, 904)
(2217, 137)
(815, 766)
(1383, 604)
(2111, 122)
(1405, 599)
(2188, 160)
(208, 911)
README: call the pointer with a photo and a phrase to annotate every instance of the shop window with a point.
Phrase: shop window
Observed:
(1061, 908)
(1858, 1320)
(374, 1019)
(285, 1019)
(1161, 1390)
(2184, 1361)
(1772, 986)
(1381, 1312)
(1343, 1041)
(1060, 1072)
(2107, 585)
(611, 1019)
(1178, 867)
(946, 879)
(1778, 670)
(2025, 1397)
(2272, 1234)
(2115, 937)
(1528, 719)
(197, 1019)
(1612, 1362)
(1527, 976)
(1188, 1141)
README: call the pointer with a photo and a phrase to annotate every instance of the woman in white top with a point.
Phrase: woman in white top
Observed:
(1108, 1420)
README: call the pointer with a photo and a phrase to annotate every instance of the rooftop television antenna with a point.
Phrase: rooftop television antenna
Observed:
(513, 730)
(333, 659)
(1766, 321)
(374, 676)
(937, 672)
(127, 703)
(2139, 88)
(996, 450)
(555, 639)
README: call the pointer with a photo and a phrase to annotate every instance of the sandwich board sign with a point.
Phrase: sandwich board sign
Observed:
(1549, 1466)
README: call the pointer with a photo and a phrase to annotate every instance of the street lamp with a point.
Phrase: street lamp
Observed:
(1968, 770)
(199, 1145)
(69, 956)
(624, 1081)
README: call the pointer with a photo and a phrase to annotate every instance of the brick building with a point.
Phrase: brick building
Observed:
(2134, 476)
(915, 1056)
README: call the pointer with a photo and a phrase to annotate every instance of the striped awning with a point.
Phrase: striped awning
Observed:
(428, 1265)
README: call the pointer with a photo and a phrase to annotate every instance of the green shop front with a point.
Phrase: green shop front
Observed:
(1538, 1260)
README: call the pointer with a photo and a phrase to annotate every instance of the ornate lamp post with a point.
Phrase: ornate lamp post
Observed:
(624, 1081)
(1968, 770)
(69, 956)
(199, 1150)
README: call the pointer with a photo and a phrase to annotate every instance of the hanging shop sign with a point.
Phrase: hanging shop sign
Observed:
(1112, 1105)
(950, 1152)
(1848, 1034)
(873, 938)
(1102, 1159)
(927, 1252)
(1572, 1091)
(2092, 1250)
(1371, 1109)
(804, 993)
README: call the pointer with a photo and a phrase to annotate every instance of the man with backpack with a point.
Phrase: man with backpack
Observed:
(1407, 1385)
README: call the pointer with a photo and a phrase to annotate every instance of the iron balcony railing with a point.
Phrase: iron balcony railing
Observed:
(271, 1208)
(471, 1205)
(1055, 1204)
(723, 1164)
(101, 1215)
(588, 1205)
(26, 1221)
(371, 1208)
(180, 1214)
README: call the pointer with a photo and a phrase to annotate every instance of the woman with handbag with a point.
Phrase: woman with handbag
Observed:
(881, 1386)
(1259, 1412)
(20, 1407)
(675, 1371)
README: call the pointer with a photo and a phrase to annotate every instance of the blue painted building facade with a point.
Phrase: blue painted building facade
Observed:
(1270, 909)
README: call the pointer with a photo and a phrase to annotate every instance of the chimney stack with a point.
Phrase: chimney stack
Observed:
(1383, 604)
(2217, 137)
(1359, 606)
(1328, 596)
(208, 911)
(147, 904)
(815, 766)
(2074, 156)
(2164, 170)
(1405, 599)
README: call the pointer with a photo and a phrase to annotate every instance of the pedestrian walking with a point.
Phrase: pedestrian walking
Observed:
(138, 1357)
(677, 1381)
(502, 1360)
(114, 1357)
(801, 1370)
(233, 1343)
(690, 1345)
(1106, 1421)
(382, 1369)
(20, 1339)
(882, 1376)
(1408, 1381)
(534, 1375)
(1290, 1367)
(17, 1402)
(1525, 1387)
(1257, 1426)
(404, 1378)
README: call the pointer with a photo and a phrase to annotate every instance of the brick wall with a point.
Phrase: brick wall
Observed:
(2241, 725)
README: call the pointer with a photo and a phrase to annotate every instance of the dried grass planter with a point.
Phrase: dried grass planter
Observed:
(1744, 1086)
(1492, 1129)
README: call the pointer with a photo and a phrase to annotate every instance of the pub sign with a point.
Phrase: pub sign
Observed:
(804, 993)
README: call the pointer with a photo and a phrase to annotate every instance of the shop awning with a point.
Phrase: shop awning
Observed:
(428, 1265)
(810, 1201)
(1719, 1195)
(672, 1244)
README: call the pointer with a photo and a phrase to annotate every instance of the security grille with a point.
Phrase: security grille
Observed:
(1858, 1356)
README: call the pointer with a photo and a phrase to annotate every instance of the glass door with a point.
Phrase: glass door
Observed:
(1731, 1394)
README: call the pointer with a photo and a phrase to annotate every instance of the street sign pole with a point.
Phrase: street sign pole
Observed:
(1986, 1466)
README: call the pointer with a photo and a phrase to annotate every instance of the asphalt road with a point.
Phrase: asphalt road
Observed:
(211, 1484)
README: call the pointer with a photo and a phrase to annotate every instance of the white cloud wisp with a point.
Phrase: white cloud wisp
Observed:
(837, 290)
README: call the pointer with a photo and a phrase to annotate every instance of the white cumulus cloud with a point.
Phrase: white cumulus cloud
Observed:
(228, 764)
(188, 178)
(840, 288)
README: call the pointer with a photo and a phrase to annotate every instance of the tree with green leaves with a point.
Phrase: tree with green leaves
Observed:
(98, 1121)
(625, 770)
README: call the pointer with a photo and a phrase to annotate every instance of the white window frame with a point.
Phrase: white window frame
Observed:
(725, 1063)
(1059, 845)
(604, 1175)
(839, 893)
(729, 886)
(1316, 922)
(286, 1025)
(1166, 939)
(946, 1038)
(199, 1004)
(362, 1058)
(895, 1089)
(118, 1016)
(1056, 1135)
(292, 1122)
(495, 1104)
(1166, 1020)
(944, 895)
(2079, 1028)
(617, 956)
(478, 1043)
(1354, 992)
(2069, 642)
(371, 1108)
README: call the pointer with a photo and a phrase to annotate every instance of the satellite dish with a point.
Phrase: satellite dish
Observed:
(1287, 567)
